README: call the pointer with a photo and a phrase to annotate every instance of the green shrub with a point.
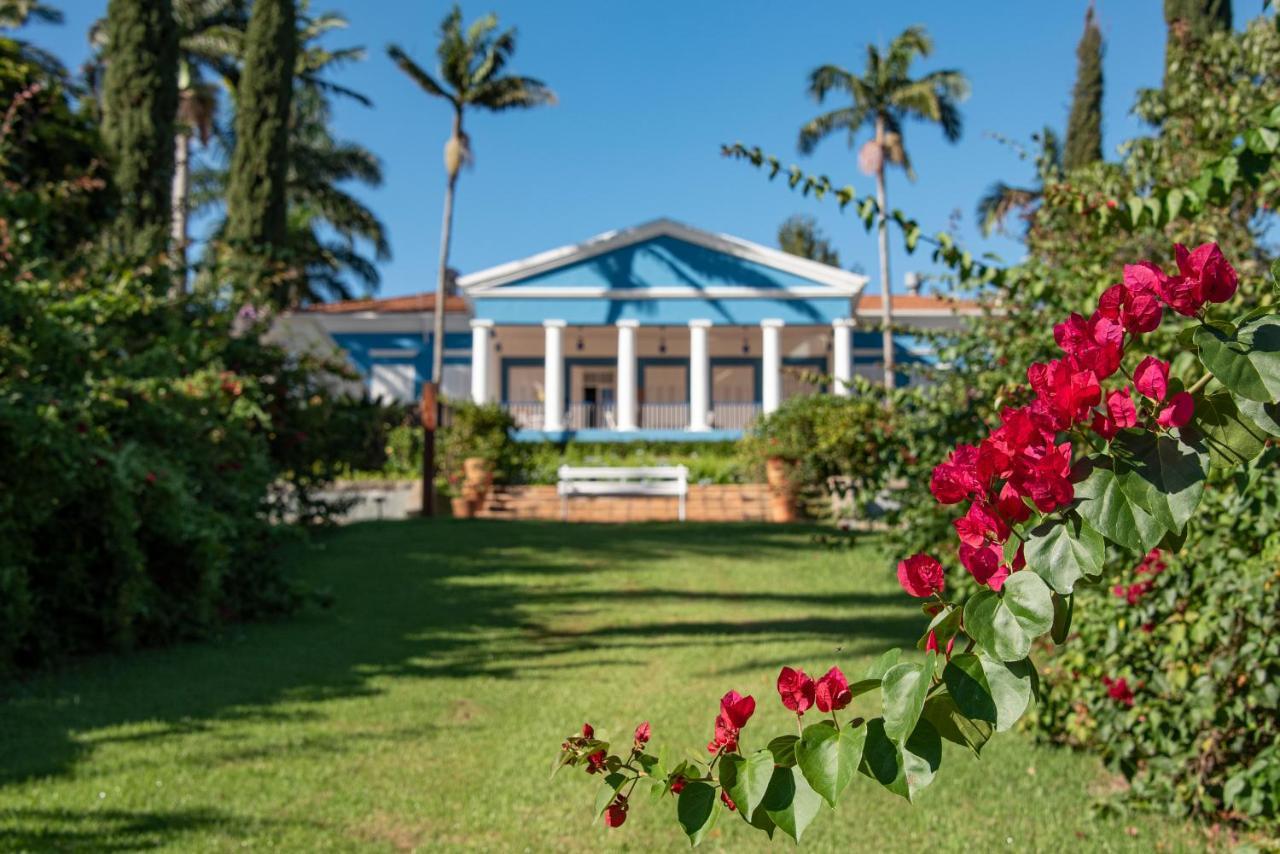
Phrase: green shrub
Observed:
(1174, 672)
(708, 462)
(474, 430)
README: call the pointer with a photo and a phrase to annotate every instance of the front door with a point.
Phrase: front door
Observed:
(594, 391)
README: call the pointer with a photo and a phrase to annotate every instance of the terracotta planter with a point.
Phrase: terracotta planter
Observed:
(477, 480)
(461, 507)
(782, 492)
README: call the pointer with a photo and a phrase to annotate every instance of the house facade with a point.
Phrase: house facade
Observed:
(661, 331)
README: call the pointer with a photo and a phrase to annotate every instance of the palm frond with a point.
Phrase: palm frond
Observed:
(819, 128)
(829, 78)
(417, 75)
(506, 93)
(1000, 201)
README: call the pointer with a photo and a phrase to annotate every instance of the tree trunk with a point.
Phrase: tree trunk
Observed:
(442, 280)
(886, 307)
(178, 206)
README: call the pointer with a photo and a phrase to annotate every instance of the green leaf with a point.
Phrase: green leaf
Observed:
(1004, 624)
(791, 802)
(941, 711)
(783, 749)
(884, 663)
(1163, 473)
(1248, 362)
(607, 792)
(1102, 503)
(696, 809)
(921, 757)
(1063, 608)
(882, 759)
(944, 625)
(1233, 439)
(988, 690)
(760, 820)
(865, 686)
(746, 778)
(904, 691)
(828, 758)
(1265, 415)
(1062, 551)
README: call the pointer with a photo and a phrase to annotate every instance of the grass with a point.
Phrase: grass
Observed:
(423, 710)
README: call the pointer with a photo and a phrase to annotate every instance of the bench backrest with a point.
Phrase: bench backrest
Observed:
(623, 480)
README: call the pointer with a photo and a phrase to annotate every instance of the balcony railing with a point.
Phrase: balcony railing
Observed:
(652, 416)
(734, 416)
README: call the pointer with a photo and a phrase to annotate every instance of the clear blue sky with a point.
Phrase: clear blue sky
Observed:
(649, 91)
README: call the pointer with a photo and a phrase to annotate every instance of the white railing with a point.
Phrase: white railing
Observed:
(664, 416)
(528, 414)
(590, 416)
(734, 416)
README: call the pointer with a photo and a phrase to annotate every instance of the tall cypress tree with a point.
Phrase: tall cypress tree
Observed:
(1084, 126)
(256, 205)
(140, 100)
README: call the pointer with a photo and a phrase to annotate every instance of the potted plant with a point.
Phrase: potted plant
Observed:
(475, 445)
(781, 442)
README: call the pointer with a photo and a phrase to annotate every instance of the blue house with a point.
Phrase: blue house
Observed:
(661, 331)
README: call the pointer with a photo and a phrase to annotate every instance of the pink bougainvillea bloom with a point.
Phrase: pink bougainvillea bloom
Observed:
(728, 801)
(1091, 345)
(1213, 277)
(1151, 378)
(832, 692)
(677, 785)
(595, 762)
(1011, 505)
(957, 478)
(1121, 409)
(985, 564)
(737, 709)
(921, 576)
(1179, 411)
(587, 731)
(616, 814)
(979, 524)
(1119, 690)
(642, 733)
(931, 643)
(1135, 303)
(796, 689)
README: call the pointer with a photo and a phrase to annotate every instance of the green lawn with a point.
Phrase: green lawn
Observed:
(424, 709)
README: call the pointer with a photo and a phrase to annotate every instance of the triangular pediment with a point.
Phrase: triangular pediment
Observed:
(662, 258)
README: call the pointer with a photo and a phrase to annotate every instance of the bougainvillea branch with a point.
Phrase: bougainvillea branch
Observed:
(1105, 462)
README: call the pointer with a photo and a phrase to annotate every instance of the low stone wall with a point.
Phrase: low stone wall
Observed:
(748, 502)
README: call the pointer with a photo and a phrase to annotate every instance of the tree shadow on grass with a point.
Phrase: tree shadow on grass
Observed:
(107, 829)
(422, 599)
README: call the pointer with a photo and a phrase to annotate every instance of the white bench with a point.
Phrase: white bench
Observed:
(620, 480)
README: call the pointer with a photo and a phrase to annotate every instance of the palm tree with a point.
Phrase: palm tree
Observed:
(16, 14)
(1002, 200)
(883, 98)
(470, 69)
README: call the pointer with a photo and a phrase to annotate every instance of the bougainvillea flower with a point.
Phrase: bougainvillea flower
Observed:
(595, 762)
(1093, 345)
(1011, 505)
(931, 643)
(1044, 476)
(980, 524)
(728, 801)
(984, 564)
(1212, 276)
(737, 709)
(616, 814)
(588, 731)
(1135, 303)
(1065, 394)
(832, 691)
(1151, 378)
(796, 690)
(957, 478)
(1119, 690)
(921, 576)
(642, 733)
(1120, 413)
(677, 785)
(1179, 411)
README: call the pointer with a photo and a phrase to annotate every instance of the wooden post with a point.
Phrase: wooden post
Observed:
(429, 412)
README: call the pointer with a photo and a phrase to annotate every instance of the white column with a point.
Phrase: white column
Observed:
(771, 364)
(481, 332)
(627, 374)
(699, 375)
(553, 377)
(841, 355)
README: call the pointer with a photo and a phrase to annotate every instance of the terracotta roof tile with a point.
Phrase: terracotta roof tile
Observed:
(870, 304)
(390, 305)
